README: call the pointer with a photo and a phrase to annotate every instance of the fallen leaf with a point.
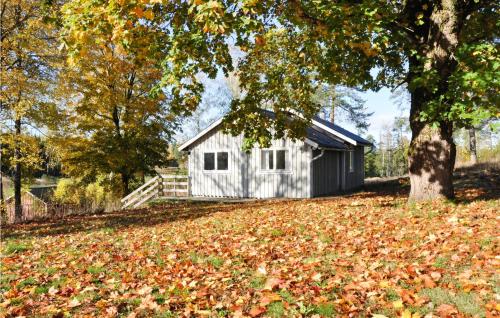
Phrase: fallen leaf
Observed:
(398, 304)
(428, 282)
(316, 277)
(446, 310)
(406, 314)
(256, 311)
(271, 283)
(74, 303)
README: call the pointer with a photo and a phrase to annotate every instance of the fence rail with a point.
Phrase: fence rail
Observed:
(159, 186)
(35, 212)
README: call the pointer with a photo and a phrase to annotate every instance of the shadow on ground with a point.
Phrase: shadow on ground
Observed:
(480, 182)
(164, 213)
(472, 183)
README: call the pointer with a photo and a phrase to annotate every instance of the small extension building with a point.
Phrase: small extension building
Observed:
(329, 160)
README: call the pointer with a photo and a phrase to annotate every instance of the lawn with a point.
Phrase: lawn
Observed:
(368, 254)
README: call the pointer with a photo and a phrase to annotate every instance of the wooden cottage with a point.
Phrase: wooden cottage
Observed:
(33, 207)
(329, 160)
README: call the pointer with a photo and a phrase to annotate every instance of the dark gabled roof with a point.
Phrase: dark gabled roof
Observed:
(44, 193)
(323, 140)
(321, 132)
(326, 140)
(343, 131)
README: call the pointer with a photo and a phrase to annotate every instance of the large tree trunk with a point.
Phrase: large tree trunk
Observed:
(472, 145)
(18, 208)
(431, 161)
(125, 183)
(432, 150)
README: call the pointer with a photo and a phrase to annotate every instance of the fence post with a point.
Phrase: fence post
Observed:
(160, 186)
(175, 186)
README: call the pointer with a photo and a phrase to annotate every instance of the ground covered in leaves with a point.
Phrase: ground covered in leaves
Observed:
(369, 254)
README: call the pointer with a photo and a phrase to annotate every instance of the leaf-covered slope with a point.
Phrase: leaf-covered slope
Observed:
(360, 255)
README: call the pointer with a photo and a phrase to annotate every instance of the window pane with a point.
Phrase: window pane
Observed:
(281, 159)
(209, 161)
(351, 161)
(266, 159)
(222, 161)
(271, 159)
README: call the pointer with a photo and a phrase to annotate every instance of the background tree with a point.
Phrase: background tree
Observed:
(113, 126)
(481, 140)
(444, 50)
(28, 53)
(214, 104)
(343, 102)
(371, 160)
(472, 145)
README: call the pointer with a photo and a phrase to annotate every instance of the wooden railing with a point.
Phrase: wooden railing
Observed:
(159, 186)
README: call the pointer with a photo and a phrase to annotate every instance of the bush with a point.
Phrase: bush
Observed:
(99, 195)
(68, 191)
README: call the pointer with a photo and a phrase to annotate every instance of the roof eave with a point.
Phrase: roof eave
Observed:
(188, 143)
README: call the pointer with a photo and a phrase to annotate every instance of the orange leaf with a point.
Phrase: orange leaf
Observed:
(138, 12)
(256, 311)
(269, 298)
(271, 283)
(446, 311)
(149, 15)
(259, 40)
(428, 282)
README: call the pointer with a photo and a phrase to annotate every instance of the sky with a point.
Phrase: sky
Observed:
(384, 110)
(383, 104)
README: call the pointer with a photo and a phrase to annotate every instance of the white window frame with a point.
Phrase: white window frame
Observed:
(276, 171)
(215, 161)
(351, 161)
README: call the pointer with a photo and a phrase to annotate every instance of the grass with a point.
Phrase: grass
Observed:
(258, 282)
(467, 303)
(16, 247)
(351, 255)
(287, 296)
(441, 262)
(276, 310)
(27, 282)
(391, 295)
(215, 261)
(326, 310)
(95, 270)
(276, 232)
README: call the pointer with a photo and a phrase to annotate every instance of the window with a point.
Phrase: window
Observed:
(222, 162)
(266, 160)
(274, 160)
(351, 161)
(209, 161)
(210, 164)
(281, 159)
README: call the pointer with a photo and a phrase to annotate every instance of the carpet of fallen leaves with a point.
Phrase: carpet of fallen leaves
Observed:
(368, 254)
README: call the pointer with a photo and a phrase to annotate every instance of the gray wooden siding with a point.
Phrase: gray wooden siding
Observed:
(331, 173)
(356, 178)
(326, 176)
(244, 177)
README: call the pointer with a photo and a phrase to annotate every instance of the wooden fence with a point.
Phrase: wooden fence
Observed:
(159, 186)
(36, 211)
